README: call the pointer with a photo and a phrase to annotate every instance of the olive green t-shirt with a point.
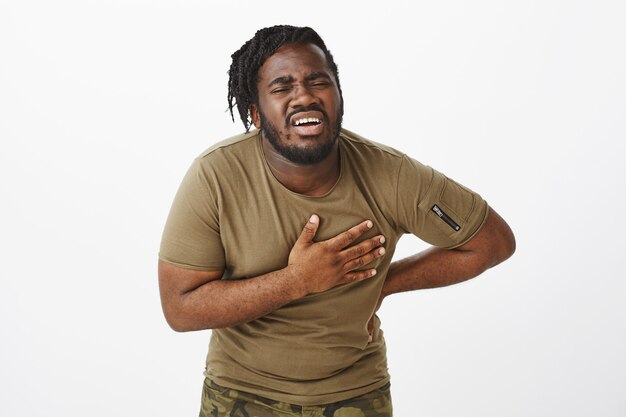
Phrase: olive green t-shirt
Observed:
(231, 214)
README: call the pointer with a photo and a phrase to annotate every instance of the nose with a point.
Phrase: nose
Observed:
(302, 96)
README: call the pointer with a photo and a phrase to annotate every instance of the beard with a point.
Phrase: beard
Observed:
(313, 153)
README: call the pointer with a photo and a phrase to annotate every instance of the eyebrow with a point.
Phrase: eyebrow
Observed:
(316, 75)
(289, 79)
(281, 80)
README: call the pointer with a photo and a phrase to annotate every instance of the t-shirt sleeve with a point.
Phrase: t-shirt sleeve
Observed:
(435, 208)
(191, 238)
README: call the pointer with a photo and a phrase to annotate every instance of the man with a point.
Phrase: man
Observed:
(281, 239)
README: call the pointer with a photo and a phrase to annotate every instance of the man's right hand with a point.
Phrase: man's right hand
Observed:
(320, 266)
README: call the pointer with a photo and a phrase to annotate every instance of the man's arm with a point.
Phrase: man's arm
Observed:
(196, 300)
(437, 267)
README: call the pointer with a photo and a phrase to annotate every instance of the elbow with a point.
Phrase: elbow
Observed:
(501, 239)
(180, 321)
(505, 246)
(173, 312)
(179, 327)
(509, 244)
(176, 323)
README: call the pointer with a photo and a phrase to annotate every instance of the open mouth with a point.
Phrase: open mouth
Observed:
(306, 121)
(309, 123)
(308, 126)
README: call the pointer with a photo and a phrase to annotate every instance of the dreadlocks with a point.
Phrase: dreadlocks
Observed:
(243, 78)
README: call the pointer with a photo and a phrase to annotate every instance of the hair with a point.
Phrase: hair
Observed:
(243, 72)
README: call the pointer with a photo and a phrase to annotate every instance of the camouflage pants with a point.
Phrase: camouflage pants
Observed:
(219, 401)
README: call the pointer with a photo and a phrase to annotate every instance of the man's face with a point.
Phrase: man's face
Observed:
(299, 109)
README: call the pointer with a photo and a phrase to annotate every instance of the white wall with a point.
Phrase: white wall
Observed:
(103, 105)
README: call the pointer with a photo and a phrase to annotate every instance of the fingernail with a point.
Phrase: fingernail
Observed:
(313, 219)
(382, 239)
(381, 251)
(373, 272)
(369, 224)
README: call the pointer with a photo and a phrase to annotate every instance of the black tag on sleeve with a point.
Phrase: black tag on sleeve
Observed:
(443, 216)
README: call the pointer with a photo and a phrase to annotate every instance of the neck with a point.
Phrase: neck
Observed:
(312, 180)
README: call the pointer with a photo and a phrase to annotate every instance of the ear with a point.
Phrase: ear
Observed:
(255, 116)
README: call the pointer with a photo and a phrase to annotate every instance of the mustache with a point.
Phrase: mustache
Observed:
(312, 107)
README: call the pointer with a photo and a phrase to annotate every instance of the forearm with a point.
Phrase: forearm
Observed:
(224, 303)
(431, 268)
(437, 267)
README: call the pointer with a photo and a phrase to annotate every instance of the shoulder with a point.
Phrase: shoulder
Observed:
(366, 154)
(222, 160)
(383, 164)
(367, 147)
(243, 142)
(236, 151)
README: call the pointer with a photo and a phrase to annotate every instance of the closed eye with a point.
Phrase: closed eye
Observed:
(280, 90)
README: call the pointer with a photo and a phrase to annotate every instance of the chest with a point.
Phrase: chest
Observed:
(259, 228)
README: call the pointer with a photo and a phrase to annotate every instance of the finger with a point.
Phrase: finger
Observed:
(356, 276)
(310, 228)
(363, 260)
(344, 239)
(362, 248)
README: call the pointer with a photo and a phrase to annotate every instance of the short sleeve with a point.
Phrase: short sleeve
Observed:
(435, 208)
(191, 237)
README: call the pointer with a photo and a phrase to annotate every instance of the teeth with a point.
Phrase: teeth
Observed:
(307, 120)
